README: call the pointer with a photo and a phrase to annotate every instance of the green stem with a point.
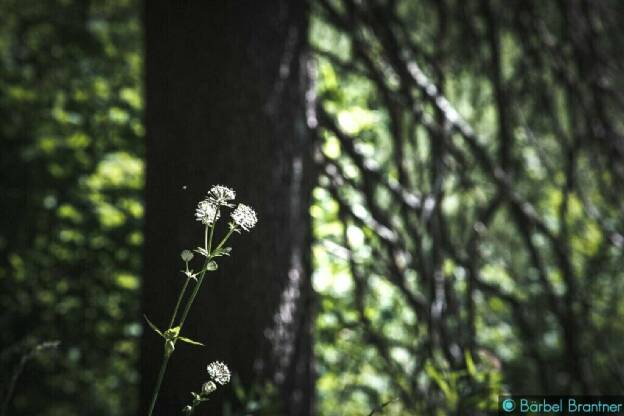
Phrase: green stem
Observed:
(177, 307)
(224, 239)
(201, 278)
(209, 245)
(187, 308)
(206, 237)
(163, 366)
(161, 375)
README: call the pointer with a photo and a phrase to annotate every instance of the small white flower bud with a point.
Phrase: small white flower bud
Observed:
(186, 255)
(208, 387)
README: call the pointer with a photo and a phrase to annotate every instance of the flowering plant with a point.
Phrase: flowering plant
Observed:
(208, 212)
(220, 374)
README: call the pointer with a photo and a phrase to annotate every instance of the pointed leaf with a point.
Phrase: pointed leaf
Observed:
(202, 251)
(189, 274)
(190, 341)
(438, 378)
(470, 365)
(169, 347)
(225, 251)
(154, 327)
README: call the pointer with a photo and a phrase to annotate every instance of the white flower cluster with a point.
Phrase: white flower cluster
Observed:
(219, 372)
(208, 210)
(244, 217)
(221, 195)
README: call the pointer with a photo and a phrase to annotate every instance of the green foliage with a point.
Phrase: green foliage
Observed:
(441, 282)
(474, 389)
(72, 176)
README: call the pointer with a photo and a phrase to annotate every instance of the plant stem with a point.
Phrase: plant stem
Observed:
(206, 237)
(161, 375)
(224, 239)
(187, 308)
(209, 244)
(201, 277)
(177, 307)
(165, 361)
(20, 368)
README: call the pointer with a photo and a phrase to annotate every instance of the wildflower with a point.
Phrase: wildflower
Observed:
(219, 372)
(209, 387)
(207, 212)
(221, 195)
(244, 217)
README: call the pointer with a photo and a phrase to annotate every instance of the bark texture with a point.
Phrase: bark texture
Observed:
(225, 103)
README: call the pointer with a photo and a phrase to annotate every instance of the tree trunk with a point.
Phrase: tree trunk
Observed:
(225, 104)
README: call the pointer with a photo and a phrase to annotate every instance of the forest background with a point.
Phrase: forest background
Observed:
(463, 166)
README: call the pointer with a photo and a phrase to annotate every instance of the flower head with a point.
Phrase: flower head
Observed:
(221, 195)
(207, 212)
(219, 372)
(244, 217)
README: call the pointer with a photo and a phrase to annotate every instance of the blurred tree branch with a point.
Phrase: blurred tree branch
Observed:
(545, 73)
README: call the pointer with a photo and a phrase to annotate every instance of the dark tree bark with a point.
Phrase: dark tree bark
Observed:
(225, 88)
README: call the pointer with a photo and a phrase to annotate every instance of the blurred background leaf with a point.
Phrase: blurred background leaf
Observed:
(71, 191)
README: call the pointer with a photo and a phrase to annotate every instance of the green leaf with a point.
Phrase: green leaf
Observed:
(190, 341)
(202, 251)
(470, 366)
(212, 266)
(439, 380)
(169, 347)
(172, 333)
(225, 251)
(189, 274)
(154, 327)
